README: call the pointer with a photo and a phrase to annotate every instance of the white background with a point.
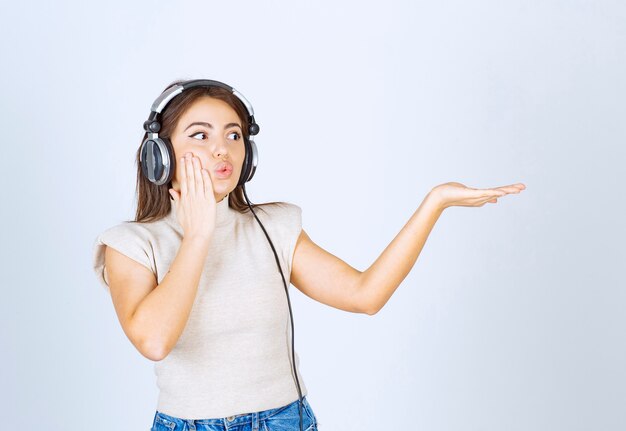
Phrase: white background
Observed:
(512, 317)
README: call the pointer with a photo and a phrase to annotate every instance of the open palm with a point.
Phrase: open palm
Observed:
(457, 194)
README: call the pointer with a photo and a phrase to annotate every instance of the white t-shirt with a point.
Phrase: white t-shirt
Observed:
(234, 355)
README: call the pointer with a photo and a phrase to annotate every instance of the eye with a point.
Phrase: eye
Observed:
(202, 133)
(195, 134)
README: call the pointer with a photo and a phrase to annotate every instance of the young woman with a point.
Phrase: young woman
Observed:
(194, 278)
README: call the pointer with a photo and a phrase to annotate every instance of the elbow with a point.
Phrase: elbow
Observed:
(150, 344)
(368, 304)
(154, 351)
(371, 311)
(152, 348)
(369, 307)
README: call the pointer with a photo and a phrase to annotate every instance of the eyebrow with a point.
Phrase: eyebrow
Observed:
(210, 126)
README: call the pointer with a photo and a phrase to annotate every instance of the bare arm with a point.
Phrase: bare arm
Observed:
(383, 277)
(154, 317)
(328, 279)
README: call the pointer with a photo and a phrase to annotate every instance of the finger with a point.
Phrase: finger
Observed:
(484, 201)
(191, 182)
(183, 177)
(512, 188)
(175, 195)
(208, 185)
(488, 193)
(197, 175)
(492, 192)
(507, 189)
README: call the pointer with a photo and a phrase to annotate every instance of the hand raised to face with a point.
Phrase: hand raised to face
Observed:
(195, 202)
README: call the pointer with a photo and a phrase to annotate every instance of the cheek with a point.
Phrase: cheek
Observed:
(180, 150)
(241, 156)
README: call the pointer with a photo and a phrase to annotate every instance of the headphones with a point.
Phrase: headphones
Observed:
(156, 155)
(158, 165)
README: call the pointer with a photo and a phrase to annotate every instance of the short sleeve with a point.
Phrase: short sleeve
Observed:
(126, 239)
(292, 223)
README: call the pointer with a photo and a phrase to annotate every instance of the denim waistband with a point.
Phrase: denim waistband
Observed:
(231, 421)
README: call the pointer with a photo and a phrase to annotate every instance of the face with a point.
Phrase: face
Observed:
(210, 130)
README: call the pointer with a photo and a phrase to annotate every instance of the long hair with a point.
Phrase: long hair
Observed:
(154, 202)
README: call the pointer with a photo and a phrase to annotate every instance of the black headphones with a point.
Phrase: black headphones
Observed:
(158, 164)
(156, 155)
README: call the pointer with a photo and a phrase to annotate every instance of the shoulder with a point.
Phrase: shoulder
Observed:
(127, 226)
(282, 218)
(126, 230)
(129, 238)
(281, 211)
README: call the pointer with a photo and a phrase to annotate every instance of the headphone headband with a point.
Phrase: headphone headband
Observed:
(161, 102)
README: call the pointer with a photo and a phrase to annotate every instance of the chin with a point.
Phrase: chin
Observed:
(224, 188)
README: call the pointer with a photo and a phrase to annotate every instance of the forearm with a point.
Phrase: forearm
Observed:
(163, 314)
(384, 276)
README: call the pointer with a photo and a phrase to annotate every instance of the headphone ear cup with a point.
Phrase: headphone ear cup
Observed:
(254, 159)
(249, 163)
(170, 168)
(158, 163)
(246, 162)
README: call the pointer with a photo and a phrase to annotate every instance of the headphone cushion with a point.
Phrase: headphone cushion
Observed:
(245, 168)
(154, 155)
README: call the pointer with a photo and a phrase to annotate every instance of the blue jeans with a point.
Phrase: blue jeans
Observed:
(285, 418)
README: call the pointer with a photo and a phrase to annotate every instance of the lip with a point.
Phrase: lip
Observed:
(223, 170)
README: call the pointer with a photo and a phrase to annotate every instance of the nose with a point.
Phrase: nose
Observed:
(220, 149)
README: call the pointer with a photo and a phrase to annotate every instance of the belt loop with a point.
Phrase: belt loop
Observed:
(191, 424)
(255, 421)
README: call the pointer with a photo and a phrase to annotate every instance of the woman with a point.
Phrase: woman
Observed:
(194, 283)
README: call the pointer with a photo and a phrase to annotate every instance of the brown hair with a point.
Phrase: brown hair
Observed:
(154, 202)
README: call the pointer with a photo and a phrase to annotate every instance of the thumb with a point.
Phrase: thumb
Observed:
(174, 194)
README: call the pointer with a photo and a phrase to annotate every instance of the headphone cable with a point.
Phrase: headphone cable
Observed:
(293, 359)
